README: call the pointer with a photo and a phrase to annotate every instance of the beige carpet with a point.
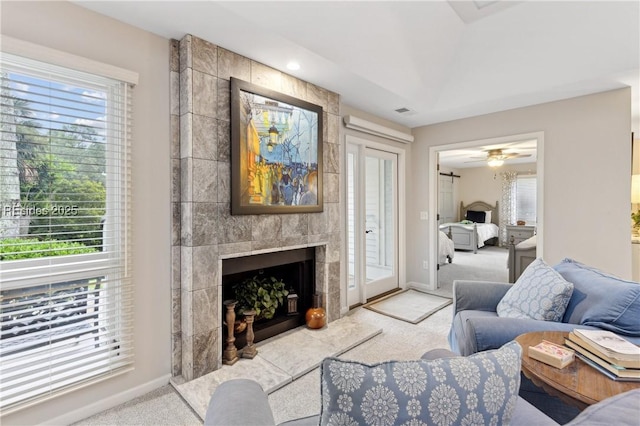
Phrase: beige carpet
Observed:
(489, 264)
(409, 305)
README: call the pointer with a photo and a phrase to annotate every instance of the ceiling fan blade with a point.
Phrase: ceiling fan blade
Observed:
(514, 155)
(477, 161)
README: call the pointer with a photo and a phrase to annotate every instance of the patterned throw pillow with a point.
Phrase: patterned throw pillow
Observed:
(481, 389)
(540, 293)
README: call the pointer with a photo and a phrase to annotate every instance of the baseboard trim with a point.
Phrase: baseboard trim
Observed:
(419, 286)
(109, 402)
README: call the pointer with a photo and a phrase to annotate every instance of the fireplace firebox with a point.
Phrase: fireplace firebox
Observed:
(296, 268)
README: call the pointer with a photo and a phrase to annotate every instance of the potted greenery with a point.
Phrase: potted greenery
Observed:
(636, 220)
(263, 295)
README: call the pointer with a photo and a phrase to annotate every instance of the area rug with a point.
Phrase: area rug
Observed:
(409, 305)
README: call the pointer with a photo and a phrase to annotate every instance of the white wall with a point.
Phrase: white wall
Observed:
(586, 173)
(485, 183)
(70, 28)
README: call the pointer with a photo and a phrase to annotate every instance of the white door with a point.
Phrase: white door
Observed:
(445, 200)
(372, 223)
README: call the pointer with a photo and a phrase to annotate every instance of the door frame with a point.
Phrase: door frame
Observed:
(433, 192)
(362, 143)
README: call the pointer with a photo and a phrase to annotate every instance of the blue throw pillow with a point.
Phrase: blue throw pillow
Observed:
(479, 389)
(540, 293)
(601, 300)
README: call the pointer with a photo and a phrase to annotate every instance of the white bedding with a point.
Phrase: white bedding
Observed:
(445, 248)
(486, 231)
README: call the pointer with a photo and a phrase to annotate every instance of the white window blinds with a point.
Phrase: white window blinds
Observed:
(526, 196)
(66, 294)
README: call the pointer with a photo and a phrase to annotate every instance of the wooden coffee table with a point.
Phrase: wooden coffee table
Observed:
(577, 384)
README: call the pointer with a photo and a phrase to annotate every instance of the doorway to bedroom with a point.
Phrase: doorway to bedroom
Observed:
(485, 195)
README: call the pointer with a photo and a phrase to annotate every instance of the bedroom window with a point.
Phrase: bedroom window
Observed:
(66, 295)
(526, 190)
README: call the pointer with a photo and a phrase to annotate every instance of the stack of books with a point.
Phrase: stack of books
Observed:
(607, 352)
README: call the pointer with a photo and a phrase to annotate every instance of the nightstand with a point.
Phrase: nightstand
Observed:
(519, 233)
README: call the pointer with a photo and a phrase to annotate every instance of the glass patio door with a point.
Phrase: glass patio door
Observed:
(372, 223)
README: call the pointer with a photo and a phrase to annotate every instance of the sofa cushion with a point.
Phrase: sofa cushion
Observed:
(601, 300)
(540, 293)
(620, 410)
(479, 389)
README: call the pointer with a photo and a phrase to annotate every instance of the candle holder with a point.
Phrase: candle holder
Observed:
(230, 354)
(292, 303)
(250, 350)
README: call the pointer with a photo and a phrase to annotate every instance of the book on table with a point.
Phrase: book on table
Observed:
(607, 369)
(600, 362)
(608, 346)
(552, 354)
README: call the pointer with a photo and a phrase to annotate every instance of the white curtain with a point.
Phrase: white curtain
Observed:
(508, 205)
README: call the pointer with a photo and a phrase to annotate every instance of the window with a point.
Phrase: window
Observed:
(526, 198)
(66, 296)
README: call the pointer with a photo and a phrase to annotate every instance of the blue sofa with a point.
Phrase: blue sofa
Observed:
(599, 300)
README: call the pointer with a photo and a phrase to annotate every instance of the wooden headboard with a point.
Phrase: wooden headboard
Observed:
(482, 207)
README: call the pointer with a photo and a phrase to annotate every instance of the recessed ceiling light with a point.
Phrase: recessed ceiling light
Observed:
(293, 66)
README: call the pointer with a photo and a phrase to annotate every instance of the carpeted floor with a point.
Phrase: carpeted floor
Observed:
(489, 264)
(399, 340)
(163, 406)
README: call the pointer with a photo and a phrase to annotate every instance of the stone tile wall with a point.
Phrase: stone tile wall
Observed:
(204, 232)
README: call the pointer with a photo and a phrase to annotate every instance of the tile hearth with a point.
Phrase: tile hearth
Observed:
(281, 359)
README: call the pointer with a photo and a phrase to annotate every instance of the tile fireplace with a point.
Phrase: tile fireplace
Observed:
(206, 237)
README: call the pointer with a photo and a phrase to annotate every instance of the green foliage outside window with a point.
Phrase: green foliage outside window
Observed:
(62, 176)
(29, 248)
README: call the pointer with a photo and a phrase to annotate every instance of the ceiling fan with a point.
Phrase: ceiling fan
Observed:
(496, 157)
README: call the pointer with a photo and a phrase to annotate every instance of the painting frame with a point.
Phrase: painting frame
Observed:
(276, 152)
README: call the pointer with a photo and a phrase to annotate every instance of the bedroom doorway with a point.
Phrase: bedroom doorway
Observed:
(373, 221)
(480, 173)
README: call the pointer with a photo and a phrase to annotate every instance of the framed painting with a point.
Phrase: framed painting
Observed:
(276, 152)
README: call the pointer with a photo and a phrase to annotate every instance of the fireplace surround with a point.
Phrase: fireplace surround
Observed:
(204, 233)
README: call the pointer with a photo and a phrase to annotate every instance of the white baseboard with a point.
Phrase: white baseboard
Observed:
(419, 286)
(110, 402)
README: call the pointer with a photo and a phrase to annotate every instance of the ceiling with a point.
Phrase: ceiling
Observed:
(476, 157)
(442, 60)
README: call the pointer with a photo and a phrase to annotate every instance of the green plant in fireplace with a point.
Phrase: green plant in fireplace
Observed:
(263, 295)
(636, 220)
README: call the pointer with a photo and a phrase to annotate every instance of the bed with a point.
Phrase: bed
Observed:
(520, 256)
(474, 235)
(446, 249)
